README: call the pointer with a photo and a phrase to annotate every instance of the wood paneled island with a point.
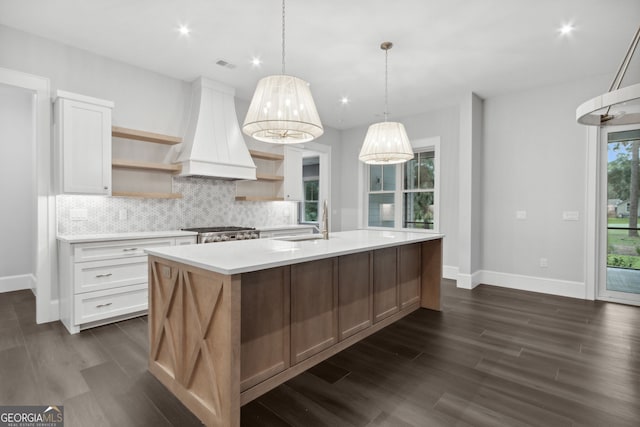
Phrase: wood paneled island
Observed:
(229, 322)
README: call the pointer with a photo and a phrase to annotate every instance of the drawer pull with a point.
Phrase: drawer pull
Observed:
(104, 275)
(103, 305)
(129, 249)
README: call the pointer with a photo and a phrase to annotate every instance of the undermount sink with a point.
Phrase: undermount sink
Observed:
(300, 238)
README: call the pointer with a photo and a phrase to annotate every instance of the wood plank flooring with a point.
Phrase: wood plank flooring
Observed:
(492, 357)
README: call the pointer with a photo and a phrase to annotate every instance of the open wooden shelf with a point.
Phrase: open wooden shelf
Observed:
(258, 199)
(268, 177)
(141, 195)
(265, 155)
(141, 135)
(147, 166)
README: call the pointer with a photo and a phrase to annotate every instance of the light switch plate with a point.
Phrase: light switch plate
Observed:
(570, 215)
(521, 214)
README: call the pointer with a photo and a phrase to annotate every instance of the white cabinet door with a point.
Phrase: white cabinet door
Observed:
(84, 145)
(292, 174)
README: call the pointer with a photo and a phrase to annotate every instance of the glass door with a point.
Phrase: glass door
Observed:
(620, 271)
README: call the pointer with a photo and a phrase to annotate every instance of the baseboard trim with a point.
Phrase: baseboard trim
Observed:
(450, 272)
(564, 288)
(17, 283)
(54, 310)
(469, 281)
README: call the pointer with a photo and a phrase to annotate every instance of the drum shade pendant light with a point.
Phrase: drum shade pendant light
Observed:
(386, 142)
(282, 110)
(619, 106)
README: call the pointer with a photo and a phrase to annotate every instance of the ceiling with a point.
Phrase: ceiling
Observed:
(442, 49)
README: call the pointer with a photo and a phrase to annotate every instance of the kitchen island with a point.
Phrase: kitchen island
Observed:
(229, 322)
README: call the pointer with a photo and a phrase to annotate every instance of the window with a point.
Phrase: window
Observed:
(418, 193)
(382, 185)
(309, 206)
(404, 196)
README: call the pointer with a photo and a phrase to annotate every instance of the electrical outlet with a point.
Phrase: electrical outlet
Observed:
(544, 263)
(122, 214)
(78, 215)
(570, 215)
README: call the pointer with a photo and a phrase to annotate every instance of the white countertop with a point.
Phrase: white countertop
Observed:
(81, 238)
(251, 255)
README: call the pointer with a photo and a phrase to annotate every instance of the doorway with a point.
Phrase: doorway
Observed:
(38, 272)
(620, 213)
(316, 177)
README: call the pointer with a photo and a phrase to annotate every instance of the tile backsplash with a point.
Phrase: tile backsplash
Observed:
(205, 202)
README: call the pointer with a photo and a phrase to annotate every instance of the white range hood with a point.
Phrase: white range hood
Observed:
(213, 145)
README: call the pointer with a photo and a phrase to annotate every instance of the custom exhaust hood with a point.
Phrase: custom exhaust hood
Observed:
(213, 145)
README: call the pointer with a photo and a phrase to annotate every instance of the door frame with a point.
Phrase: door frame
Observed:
(45, 274)
(596, 221)
(323, 151)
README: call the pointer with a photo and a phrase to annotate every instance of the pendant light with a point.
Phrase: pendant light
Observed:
(619, 106)
(282, 110)
(386, 142)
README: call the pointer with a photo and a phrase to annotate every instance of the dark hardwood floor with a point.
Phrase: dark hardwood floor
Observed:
(492, 357)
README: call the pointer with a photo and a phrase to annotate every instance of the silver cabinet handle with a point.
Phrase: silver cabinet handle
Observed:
(104, 305)
(129, 249)
(104, 275)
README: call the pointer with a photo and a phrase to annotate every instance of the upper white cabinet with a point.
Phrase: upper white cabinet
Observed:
(83, 144)
(292, 187)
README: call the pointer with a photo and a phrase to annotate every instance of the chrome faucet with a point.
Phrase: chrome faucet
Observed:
(325, 220)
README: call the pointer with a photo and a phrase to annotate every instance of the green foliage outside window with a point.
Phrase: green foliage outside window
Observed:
(311, 190)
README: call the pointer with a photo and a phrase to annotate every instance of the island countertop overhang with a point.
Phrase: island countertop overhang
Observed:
(252, 255)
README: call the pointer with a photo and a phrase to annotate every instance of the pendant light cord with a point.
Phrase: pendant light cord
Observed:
(386, 83)
(283, 68)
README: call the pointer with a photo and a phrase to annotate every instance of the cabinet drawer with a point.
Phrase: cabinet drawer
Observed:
(117, 249)
(101, 275)
(94, 306)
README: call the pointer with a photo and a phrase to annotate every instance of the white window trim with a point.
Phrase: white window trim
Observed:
(424, 144)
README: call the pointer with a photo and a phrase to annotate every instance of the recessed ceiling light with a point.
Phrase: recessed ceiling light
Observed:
(566, 29)
(184, 30)
(344, 100)
(256, 61)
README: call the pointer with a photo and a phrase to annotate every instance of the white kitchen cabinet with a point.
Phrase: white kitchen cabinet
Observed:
(292, 185)
(104, 281)
(83, 144)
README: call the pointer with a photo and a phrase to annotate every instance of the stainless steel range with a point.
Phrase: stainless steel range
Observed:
(224, 234)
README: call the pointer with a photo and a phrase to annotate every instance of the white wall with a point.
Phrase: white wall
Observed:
(143, 99)
(535, 161)
(469, 191)
(17, 189)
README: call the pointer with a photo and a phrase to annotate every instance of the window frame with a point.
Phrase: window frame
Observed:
(303, 202)
(419, 146)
